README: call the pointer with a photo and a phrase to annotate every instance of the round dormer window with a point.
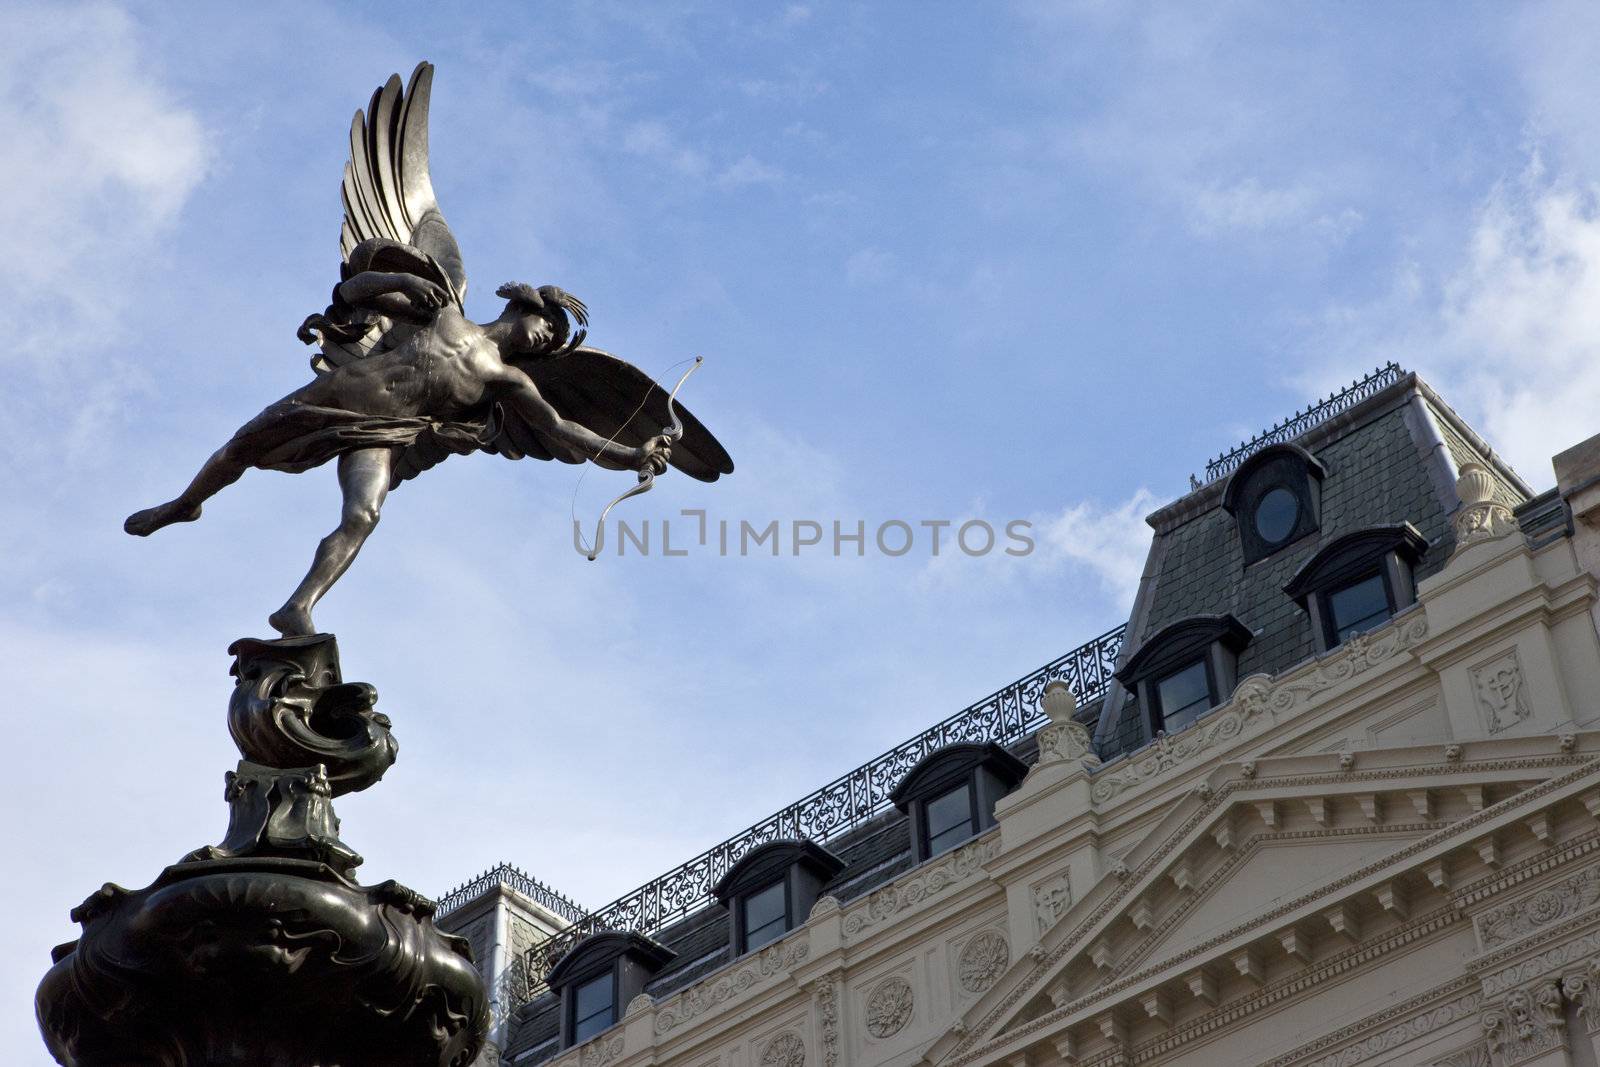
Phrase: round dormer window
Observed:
(1275, 498)
(1276, 515)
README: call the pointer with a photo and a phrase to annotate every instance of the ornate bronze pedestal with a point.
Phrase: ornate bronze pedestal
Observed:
(262, 950)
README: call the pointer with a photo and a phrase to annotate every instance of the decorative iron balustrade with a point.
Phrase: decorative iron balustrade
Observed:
(843, 804)
(512, 878)
(1301, 421)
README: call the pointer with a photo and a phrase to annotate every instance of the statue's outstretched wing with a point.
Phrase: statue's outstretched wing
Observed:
(608, 395)
(391, 217)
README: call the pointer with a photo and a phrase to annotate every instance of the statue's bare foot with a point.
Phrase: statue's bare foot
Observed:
(146, 522)
(291, 620)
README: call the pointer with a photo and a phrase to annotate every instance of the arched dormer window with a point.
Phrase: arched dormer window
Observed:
(771, 889)
(951, 793)
(598, 976)
(1276, 498)
(1185, 669)
(1358, 582)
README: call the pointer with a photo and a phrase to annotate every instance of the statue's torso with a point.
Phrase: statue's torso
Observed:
(439, 372)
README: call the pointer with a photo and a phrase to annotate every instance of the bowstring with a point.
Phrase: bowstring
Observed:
(583, 542)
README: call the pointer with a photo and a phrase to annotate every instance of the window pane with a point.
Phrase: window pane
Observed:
(1183, 695)
(952, 810)
(766, 916)
(949, 819)
(593, 1010)
(1357, 607)
(952, 837)
(1276, 514)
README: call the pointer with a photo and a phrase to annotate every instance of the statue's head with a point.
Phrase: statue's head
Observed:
(543, 318)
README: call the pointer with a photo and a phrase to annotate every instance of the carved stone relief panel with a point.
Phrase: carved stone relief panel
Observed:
(889, 1007)
(784, 1050)
(1475, 1055)
(1502, 692)
(983, 960)
(1051, 899)
(601, 1051)
(1537, 911)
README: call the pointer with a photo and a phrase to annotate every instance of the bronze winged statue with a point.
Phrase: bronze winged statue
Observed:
(405, 380)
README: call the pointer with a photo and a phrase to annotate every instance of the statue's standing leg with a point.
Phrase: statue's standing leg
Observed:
(364, 481)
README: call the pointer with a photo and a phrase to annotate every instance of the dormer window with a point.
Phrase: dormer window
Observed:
(1276, 499)
(950, 794)
(1358, 582)
(599, 974)
(771, 889)
(1184, 670)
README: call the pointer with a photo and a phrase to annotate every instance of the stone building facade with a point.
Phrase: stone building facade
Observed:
(1334, 799)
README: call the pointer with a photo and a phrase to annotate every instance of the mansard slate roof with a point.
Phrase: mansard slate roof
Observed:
(1387, 453)
(1388, 460)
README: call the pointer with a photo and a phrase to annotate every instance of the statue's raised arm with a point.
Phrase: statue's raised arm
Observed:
(405, 380)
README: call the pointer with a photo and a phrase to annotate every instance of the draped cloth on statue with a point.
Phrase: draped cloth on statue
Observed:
(292, 436)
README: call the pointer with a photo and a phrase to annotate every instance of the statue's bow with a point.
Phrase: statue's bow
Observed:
(647, 477)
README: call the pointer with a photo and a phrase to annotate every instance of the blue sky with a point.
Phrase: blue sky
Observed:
(944, 261)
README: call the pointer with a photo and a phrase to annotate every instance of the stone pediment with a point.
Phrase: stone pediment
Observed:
(1267, 868)
(1266, 873)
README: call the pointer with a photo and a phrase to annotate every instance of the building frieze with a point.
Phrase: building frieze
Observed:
(712, 992)
(1426, 1016)
(960, 866)
(1540, 911)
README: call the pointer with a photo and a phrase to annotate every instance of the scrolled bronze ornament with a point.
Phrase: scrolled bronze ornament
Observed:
(261, 961)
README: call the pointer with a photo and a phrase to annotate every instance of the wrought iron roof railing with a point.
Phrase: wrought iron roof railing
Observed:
(512, 878)
(843, 804)
(1301, 421)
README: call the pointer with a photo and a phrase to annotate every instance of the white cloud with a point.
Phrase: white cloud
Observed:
(868, 266)
(653, 140)
(1111, 542)
(104, 157)
(1508, 331)
(1519, 320)
(1218, 209)
(748, 170)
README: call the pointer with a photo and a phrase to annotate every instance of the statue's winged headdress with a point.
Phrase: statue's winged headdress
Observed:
(392, 222)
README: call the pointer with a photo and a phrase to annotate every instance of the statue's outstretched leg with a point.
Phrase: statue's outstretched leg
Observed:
(364, 481)
(217, 473)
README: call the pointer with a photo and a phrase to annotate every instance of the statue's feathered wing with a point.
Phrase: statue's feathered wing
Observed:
(390, 212)
(610, 396)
